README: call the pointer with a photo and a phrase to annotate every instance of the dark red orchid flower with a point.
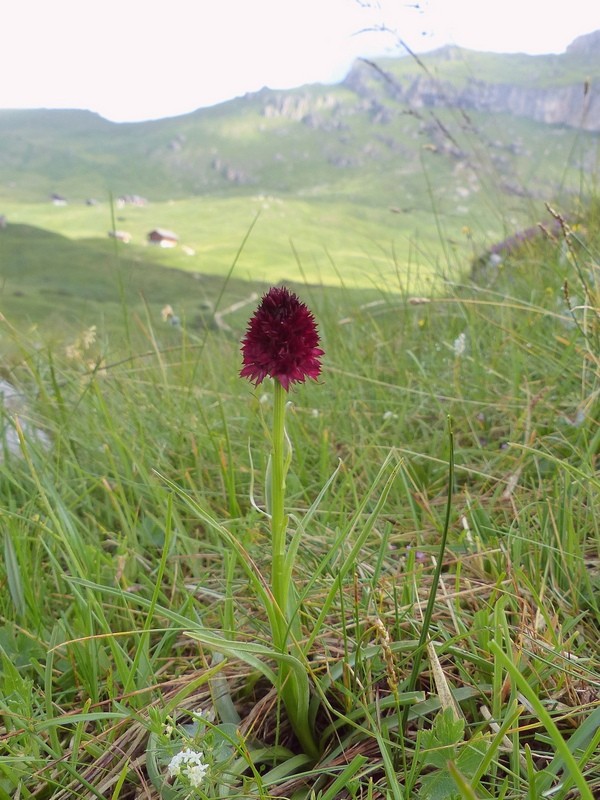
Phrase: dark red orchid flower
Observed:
(282, 341)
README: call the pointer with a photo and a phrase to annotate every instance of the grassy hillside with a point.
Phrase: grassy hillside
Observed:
(85, 282)
(338, 186)
(312, 138)
(403, 215)
(344, 149)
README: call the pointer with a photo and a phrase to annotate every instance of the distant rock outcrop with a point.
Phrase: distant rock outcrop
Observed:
(230, 173)
(586, 45)
(573, 105)
(295, 105)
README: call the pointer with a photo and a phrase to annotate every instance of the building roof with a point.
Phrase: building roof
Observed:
(163, 233)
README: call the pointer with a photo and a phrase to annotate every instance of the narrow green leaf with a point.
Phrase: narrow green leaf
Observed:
(571, 765)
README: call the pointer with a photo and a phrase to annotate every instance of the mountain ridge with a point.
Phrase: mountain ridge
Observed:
(582, 52)
(559, 89)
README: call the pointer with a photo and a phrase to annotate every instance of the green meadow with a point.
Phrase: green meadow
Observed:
(330, 243)
(419, 616)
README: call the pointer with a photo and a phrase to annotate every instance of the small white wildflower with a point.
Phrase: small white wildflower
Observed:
(264, 399)
(72, 352)
(174, 768)
(389, 415)
(314, 412)
(166, 313)
(196, 774)
(88, 337)
(188, 764)
(460, 344)
(97, 367)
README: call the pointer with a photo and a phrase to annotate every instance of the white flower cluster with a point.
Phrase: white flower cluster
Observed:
(460, 345)
(188, 764)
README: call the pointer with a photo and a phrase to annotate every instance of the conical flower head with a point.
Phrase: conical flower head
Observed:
(281, 341)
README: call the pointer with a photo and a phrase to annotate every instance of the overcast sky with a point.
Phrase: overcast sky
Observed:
(143, 59)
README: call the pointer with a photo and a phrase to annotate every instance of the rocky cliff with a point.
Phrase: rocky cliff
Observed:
(561, 100)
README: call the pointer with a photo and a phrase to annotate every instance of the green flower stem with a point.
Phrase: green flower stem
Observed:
(278, 518)
(294, 696)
